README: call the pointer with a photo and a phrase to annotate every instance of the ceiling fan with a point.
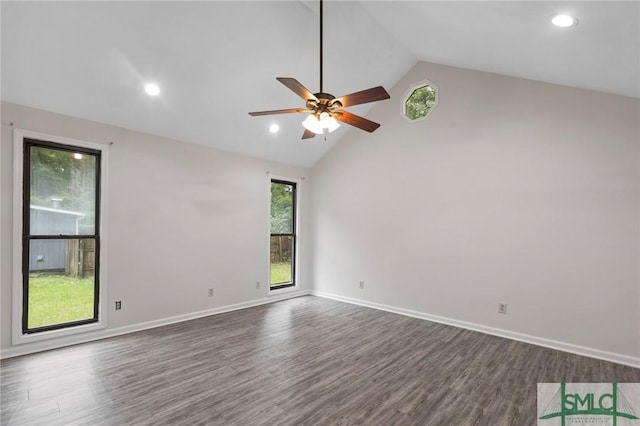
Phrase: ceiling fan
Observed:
(325, 110)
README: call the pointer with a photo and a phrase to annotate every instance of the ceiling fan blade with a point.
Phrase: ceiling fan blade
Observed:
(297, 87)
(356, 121)
(308, 134)
(278, 111)
(364, 96)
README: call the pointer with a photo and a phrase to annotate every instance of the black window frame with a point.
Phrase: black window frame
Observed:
(293, 235)
(28, 143)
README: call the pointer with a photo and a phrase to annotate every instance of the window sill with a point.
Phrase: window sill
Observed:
(276, 291)
(54, 334)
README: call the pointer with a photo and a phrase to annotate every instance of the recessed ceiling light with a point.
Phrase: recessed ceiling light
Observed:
(274, 128)
(152, 89)
(564, 21)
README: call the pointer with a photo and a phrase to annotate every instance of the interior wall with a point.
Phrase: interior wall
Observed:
(510, 191)
(182, 218)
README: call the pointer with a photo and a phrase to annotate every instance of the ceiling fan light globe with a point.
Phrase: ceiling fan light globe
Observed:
(320, 125)
(312, 124)
(328, 122)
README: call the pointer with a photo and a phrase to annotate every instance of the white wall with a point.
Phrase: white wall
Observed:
(181, 219)
(511, 191)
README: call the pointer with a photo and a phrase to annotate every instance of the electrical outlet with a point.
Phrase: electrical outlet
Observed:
(118, 305)
(361, 284)
(502, 308)
(257, 285)
(210, 292)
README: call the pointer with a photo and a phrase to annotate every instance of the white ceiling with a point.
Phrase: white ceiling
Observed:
(215, 61)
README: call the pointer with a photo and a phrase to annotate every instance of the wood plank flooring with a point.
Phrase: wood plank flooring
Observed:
(304, 361)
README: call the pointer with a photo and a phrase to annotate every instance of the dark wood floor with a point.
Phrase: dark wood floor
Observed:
(302, 361)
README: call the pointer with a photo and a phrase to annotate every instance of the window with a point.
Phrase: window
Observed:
(420, 102)
(57, 283)
(282, 256)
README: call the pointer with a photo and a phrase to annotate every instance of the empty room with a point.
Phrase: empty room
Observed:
(320, 213)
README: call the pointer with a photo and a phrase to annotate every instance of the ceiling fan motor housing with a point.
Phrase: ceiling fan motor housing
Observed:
(325, 102)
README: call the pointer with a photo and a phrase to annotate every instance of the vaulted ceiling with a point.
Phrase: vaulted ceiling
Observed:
(216, 61)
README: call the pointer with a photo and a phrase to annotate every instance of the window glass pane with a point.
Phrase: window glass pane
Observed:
(61, 281)
(420, 102)
(62, 193)
(281, 259)
(282, 208)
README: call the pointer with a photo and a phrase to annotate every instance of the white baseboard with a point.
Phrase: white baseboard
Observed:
(46, 345)
(539, 341)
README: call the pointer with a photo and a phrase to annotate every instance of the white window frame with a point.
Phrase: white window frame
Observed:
(19, 135)
(296, 281)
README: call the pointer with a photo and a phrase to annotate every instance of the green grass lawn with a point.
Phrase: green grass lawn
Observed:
(280, 273)
(56, 299)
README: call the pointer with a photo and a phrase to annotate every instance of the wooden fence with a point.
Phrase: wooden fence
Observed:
(81, 255)
(280, 249)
